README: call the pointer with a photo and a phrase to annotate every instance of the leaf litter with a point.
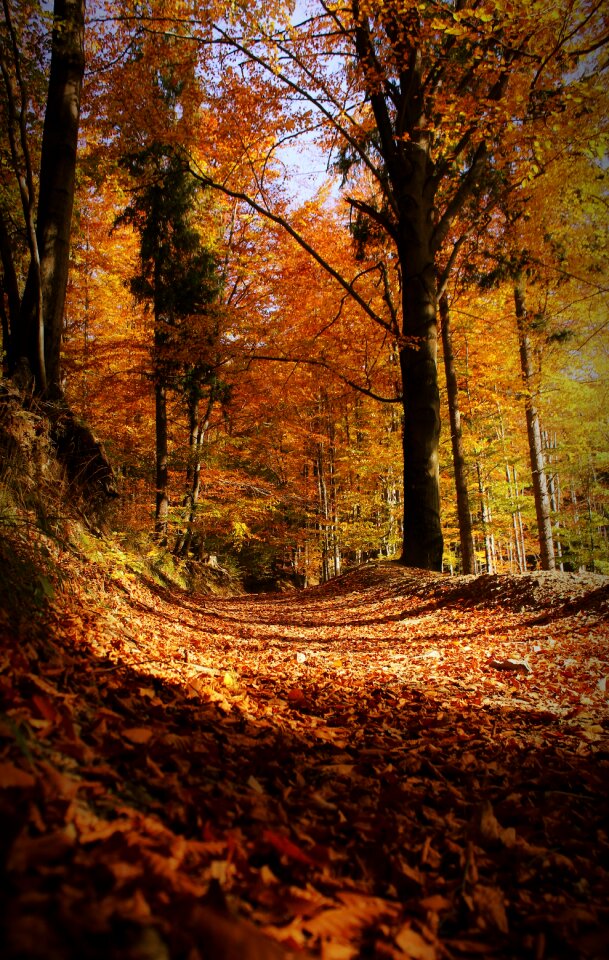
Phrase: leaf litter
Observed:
(360, 770)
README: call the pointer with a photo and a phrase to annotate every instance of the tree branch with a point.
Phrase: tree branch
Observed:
(464, 191)
(300, 240)
(377, 215)
(318, 362)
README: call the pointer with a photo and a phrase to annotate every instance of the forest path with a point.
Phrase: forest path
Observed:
(358, 769)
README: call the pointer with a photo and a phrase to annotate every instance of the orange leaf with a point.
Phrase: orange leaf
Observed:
(12, 776)
(284, 845)
(45, 708)
(436, 903)
(138, 734)
(414, 946)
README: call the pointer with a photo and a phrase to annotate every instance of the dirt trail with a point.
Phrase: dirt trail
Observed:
(393, 765)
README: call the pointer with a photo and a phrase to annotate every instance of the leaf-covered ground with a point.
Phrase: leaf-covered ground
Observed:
(393, 765)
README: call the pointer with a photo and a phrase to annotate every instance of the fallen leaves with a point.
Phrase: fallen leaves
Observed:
(13, 776)
(342, 774)
(138, 734)
(413, 945)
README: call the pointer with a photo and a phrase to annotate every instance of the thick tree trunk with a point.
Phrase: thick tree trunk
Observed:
(17, 103)
(411, 187)
(56, 193)
(422, 538)
(540, 483)
(468, 560)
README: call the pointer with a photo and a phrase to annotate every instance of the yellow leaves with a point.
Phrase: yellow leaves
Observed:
(241, 531)
(230, 680)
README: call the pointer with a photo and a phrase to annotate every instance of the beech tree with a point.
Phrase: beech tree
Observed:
(419, 104)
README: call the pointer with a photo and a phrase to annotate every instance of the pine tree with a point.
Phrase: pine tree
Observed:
(178, 278)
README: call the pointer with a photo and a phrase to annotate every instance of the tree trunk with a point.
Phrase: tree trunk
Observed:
(193, 430)
(56, 194)
(411, 186)
(422, 538)
(10, 291)
(334, 531)
(162, 469)
(468, 560)
(485, 517)
(540, 484)
(201, 426)
(516, 519)
(322, 490)
(550, 445)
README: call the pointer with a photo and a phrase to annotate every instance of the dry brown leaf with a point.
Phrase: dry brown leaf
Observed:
(330, 950)
(436, 903)
(490, 906)
(228, 938)
(138, 734)
(12, 776)
(304, 903)
(33, 852)
(414, 945)
(345, 922)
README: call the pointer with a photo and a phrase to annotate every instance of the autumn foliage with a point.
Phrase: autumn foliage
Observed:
(312, 296)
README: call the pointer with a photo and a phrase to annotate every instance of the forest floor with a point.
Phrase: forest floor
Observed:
(394, 765)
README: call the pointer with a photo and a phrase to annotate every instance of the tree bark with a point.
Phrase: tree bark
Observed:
(198, 432)
(162, 468)
(549, 446)
(485, 518)
(516, 519)
(422, 538)
(56, 195)
(540, 483)
(468, 560)
(17, 129)
(322, 490)
(10, 290)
